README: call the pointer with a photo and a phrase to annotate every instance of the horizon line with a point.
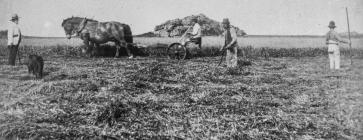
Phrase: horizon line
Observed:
(254, 35)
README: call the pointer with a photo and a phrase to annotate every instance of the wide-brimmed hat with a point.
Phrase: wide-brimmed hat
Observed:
(14, 17)
(331, 24)
(225, 21)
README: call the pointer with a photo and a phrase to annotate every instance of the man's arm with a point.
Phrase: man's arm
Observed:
(196, 30)
(196, 33)
(200, 31)
(10, 35)
(327, 38)
(340, 39)
(20, 36)
(190, 30)
(234, 38)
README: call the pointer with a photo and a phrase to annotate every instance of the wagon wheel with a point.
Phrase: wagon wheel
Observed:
(177, 51)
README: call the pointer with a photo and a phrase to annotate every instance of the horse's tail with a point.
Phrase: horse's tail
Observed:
(128, 34)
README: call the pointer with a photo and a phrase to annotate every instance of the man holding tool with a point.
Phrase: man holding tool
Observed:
(230, 44)
(332, 40)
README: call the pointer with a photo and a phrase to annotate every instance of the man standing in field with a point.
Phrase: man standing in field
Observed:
(230, 43)
(14, 38)
(332, 40)
(196, 34)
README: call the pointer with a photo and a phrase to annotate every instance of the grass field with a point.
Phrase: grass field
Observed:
(252, 46)
(156, 98)
(257, 42)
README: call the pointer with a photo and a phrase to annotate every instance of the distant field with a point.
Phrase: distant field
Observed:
(251, 47)
(256, 42)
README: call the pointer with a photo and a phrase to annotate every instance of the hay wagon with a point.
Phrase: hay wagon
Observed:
(182, 49)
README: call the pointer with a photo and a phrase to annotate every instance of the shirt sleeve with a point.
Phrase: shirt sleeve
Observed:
(337, 36)
(195, 29)
(200, 30)
(233, 33)
(327, 37)
(10, 34)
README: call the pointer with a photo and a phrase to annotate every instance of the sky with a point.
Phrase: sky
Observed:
(256, 17)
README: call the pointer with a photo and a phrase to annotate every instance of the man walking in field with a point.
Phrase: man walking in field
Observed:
(14, 38)
(196, 34)
(230, 43)
(332, 40)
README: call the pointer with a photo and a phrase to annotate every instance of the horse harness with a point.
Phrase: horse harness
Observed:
(82, 26)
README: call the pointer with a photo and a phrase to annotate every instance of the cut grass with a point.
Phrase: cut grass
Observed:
(146, 98)
(290, 94)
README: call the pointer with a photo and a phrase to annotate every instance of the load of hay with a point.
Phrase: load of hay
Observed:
(176, 27)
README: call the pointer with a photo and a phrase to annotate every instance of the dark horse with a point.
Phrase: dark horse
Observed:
(94, 33)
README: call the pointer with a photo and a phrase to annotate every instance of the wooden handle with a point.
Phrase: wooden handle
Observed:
(350, 42)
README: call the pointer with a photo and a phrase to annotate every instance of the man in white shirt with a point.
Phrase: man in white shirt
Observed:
(14, 38)
(196, 34)
(332, 40)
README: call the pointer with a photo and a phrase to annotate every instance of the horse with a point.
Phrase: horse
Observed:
(93, 33)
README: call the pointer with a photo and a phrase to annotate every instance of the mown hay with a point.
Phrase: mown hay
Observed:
(148, 98)
(177, 27)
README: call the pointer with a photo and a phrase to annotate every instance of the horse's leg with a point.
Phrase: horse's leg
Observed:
(119, 35)
(92, 49)
(118, 46)
(128, 50)
(86, 48)
(120, 43)
(86, 41)
(97, 49)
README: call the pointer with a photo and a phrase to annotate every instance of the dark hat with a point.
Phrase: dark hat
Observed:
(331, 24)
(14, 17)
(225, 21)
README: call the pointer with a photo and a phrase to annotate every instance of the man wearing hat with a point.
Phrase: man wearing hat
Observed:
(196, 34)
(332, 40)
(230, 40)
(14, 38)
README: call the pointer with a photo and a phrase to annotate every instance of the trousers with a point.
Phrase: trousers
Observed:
(231, 57)
(13, 51)
(334, 56)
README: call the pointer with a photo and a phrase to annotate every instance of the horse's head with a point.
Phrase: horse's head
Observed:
(73, 25)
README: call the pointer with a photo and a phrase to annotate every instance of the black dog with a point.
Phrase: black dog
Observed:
(35, 65)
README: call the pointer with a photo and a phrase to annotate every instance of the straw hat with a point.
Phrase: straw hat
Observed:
(331, 24)
(14, 17)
